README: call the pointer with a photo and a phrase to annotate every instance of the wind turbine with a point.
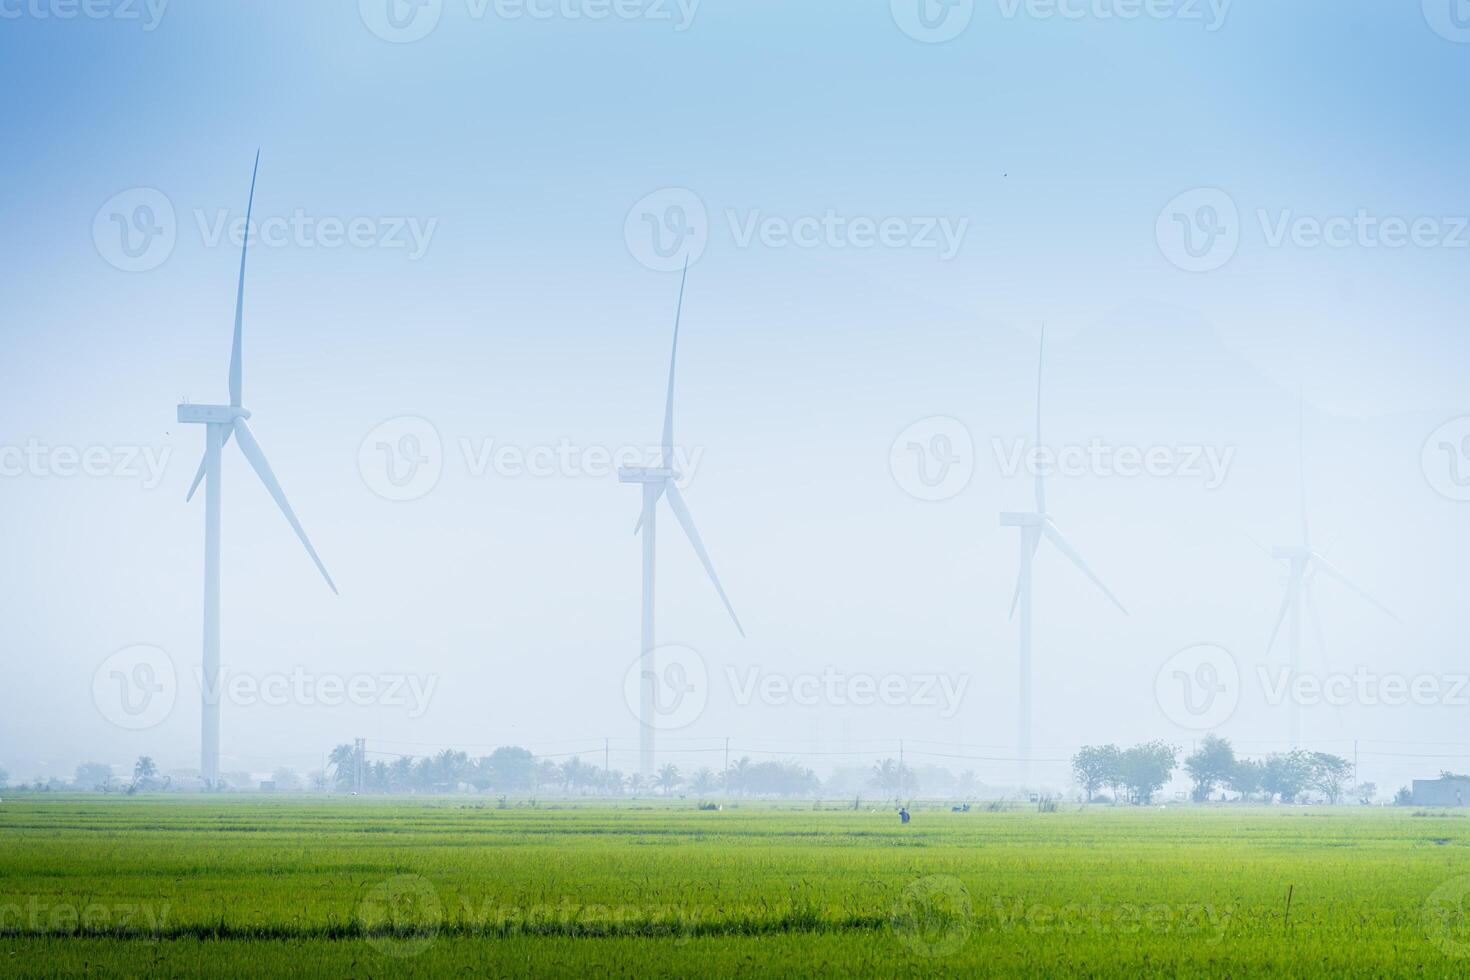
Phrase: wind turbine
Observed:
(1305, 563)
(1034, 527)
(660, 481)
(223, 422)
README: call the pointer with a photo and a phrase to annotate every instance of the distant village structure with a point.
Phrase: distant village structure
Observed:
(1447, 790)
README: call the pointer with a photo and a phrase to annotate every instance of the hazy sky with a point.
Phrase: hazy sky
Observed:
(455, 229)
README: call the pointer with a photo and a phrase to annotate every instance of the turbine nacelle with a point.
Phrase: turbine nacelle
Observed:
(647, 474)
(211, 414)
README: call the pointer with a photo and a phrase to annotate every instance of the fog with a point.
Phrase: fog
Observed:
(519, 337)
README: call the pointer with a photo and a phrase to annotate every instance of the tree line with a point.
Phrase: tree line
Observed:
(1135, 775)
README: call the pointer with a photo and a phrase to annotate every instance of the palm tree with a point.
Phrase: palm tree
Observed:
(635, 783)
(887, 777)
(341, 762)
(738, 774)
(704, 782)
(144, 769)
(668, 777)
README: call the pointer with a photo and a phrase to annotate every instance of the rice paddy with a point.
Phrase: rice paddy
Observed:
(263, 886)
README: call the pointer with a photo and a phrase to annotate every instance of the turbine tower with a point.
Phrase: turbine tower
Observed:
(1034, 527)
(1304, 564)
(660, 481)
(221, 423)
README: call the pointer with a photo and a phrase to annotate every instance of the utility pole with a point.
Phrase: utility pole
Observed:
(359, 751)
(900, 770)
(727, 767)
(1357, 786)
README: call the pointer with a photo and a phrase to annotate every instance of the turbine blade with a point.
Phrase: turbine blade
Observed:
(1301, 463)
(1316, 621)
(257, 459)
(1016, 596)
(237, 367)
(1040, 480)
(681, 512)
(1281, 617)
(668, 439)
(203, 463)
(1055, 536)
(637, 528)
(1321, 561)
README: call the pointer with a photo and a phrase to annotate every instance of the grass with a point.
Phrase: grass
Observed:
(266, 886)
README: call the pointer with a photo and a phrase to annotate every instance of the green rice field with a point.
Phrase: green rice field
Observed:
(262, 886)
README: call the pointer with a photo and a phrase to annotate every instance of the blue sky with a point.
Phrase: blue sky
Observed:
(517, 148)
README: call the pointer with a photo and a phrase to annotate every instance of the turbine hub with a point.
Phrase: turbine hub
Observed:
(646, 474)
(211, 414)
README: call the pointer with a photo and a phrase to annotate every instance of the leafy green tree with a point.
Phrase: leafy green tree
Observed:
(4, 779)
(1328, 774)
(1285, 775)
(1146, 768)
(509, 769)
(1246, 777)
(1211, 764)
(93, 776)
(1096, 766)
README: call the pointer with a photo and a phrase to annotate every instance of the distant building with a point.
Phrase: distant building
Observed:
(1445, 791)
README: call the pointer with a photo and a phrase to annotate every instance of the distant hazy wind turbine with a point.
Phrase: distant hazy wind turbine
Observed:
(223, 422)
(661, 481)
(1305, 563)
(1034, 527)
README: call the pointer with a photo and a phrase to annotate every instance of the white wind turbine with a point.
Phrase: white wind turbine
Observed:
(222, 422)
(660, 481)
(1035, 526)
(1305, 563)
